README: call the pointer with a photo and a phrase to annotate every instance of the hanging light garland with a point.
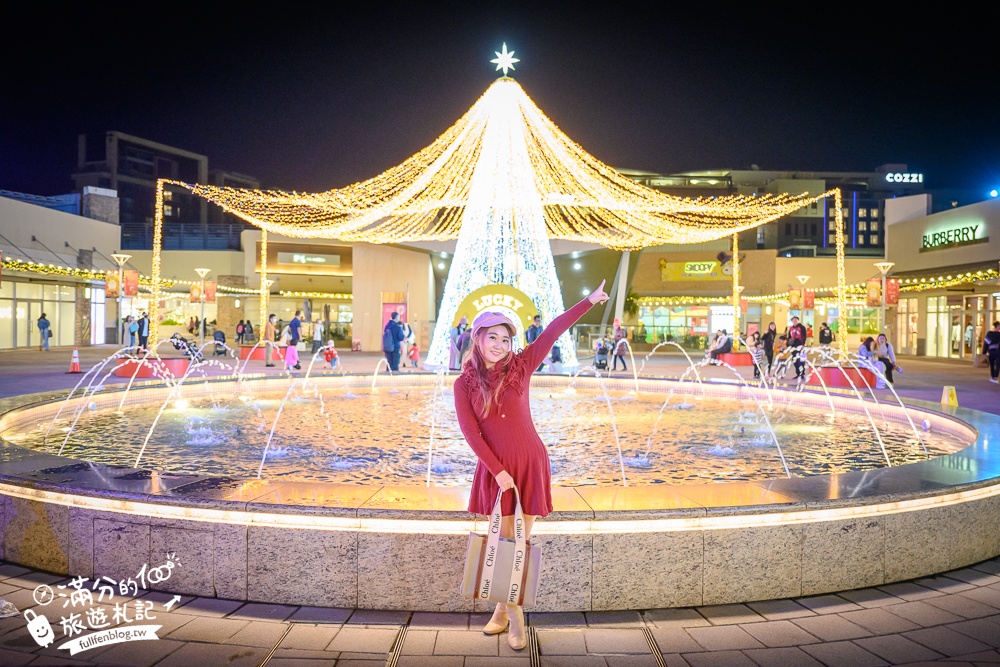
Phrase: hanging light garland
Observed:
(423, 198)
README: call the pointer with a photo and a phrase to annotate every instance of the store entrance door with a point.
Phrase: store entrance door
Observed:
(974, 327)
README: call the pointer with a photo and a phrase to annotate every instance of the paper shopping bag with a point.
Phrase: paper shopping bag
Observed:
(498, 569)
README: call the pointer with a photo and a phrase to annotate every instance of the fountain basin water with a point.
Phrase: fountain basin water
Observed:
(402, 546)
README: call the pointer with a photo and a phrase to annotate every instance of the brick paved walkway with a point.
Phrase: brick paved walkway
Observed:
(952, 619)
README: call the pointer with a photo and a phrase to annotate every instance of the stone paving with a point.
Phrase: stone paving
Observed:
(949, 619)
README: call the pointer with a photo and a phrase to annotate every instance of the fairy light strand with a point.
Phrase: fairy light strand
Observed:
(423, 199)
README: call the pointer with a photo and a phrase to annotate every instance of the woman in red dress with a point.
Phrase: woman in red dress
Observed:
(491, 402)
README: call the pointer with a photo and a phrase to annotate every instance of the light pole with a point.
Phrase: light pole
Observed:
(121, 258)
(883, 268)
(202, 273)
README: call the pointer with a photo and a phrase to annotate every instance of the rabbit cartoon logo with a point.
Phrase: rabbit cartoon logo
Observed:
(39, 628)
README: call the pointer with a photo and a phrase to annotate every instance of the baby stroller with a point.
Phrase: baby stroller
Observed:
(187, 347)
(601, 359)
(220, 343)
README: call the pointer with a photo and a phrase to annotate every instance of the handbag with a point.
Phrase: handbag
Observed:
(499, 569)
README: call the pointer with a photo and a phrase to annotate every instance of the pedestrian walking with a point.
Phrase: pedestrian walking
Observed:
(825, 336)
(239, 333)
(144, 332)
(317, 336)
(392, 336)
(44, 331)
(295, 326)
(797, 340)
(492, 407)
(991, 348)
(270, 337)
(769, 340)
(133, 331)
(455, 356)
(532, 333)
(619, 343)
(756, 346)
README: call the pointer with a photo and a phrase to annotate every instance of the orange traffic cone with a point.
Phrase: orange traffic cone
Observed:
(74, 365)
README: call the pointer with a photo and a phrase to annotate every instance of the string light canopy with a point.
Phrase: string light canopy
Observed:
(423, 199)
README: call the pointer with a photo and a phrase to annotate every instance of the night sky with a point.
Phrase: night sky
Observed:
(310, 99)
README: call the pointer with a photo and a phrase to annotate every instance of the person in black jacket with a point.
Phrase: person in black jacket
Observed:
(392, 336)
(769, 339)
(825, 335)
(991, 348)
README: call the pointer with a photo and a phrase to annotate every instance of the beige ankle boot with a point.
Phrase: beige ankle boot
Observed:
(498, 623)
(518, 636)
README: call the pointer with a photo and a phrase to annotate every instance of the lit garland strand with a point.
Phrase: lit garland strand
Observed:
(265, 289)
(736, 292)
(341, 296)
(841, 277)
(154, 302)
(424, 198)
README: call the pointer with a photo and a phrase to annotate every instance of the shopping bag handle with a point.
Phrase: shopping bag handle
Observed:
(518, 565)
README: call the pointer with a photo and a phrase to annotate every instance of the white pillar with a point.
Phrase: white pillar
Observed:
(622, 286)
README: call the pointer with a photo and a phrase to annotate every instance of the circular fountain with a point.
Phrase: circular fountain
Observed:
(349, 490)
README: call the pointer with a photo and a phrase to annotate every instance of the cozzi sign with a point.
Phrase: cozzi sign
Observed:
(950, 238)
(903, 177)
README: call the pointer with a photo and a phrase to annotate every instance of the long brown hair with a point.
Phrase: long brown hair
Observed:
(484, 394)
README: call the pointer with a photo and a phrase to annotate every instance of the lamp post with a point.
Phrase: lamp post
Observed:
(883, 268)
(121, 258)
(202, 273)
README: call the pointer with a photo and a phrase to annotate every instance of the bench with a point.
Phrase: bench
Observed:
(834, 376)
(153, 368)
(736, 358)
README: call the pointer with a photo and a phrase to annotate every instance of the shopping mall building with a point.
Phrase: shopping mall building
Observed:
(57, 252)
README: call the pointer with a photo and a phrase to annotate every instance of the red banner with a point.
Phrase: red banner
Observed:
(195, 293)
(794, 299)
(210, 286)
(130, 283)
(874, 292)
(111, 284)
(808, 299)
(744, 305)
(892, 292)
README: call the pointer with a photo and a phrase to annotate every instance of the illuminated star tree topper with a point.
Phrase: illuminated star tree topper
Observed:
(505, 60)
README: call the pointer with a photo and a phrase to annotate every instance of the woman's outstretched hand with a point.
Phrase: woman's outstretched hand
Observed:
(599, 295)
(505, 481)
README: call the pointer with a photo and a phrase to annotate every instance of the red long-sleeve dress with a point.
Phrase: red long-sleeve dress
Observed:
(506, 439)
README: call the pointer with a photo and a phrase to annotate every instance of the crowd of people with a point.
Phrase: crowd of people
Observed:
(774, 353)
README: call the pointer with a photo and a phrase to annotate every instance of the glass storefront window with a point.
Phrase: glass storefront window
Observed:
(6, 323)
(64, 324)
(906, 326)
(28, 291)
